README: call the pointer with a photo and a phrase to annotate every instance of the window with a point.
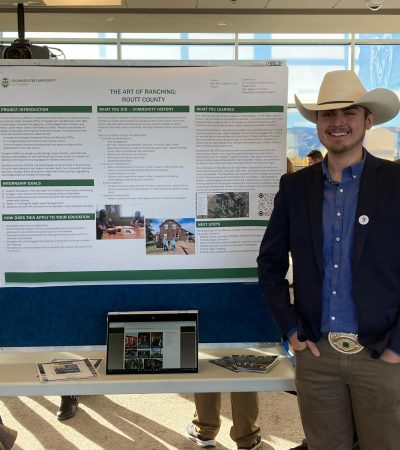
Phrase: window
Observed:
(126, 211)
(375, 57)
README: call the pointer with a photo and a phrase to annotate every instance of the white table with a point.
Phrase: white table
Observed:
(18, 376)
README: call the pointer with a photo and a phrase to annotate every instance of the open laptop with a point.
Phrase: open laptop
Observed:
(152, 342)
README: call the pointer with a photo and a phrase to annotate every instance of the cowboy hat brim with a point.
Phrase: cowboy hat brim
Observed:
(383, 103)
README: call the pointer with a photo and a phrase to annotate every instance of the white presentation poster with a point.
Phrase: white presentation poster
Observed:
(128, 174)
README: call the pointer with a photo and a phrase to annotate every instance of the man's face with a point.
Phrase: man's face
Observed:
(343, 130)
(311, 161)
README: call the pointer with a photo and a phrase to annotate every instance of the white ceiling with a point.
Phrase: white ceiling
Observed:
(223, 4)
(246, 16)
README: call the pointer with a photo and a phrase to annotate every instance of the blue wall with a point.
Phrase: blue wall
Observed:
(76, 315)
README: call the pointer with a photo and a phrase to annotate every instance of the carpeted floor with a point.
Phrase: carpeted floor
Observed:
(145, 421)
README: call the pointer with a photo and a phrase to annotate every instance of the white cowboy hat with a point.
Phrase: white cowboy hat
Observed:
(341, 89)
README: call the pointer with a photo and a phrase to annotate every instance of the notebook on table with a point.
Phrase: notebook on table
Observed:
(146, 342)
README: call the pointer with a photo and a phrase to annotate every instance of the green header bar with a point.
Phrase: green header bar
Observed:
(36, 183)
(230, 223)
(143, 109)
(238, 109)
(45, 109)
(36, 217)
(129, 275)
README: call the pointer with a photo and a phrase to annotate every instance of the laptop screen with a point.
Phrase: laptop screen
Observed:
(152, 342)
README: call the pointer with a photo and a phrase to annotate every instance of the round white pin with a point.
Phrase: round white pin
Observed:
(363, 220)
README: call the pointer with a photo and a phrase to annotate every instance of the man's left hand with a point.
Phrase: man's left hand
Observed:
(390, 356)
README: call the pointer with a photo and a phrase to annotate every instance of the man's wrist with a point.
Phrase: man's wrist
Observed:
(291, 332)
(394, 351)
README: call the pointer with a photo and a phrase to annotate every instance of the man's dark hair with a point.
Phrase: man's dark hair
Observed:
(314, 154)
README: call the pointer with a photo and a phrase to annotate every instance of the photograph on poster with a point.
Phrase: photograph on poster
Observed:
(227, 205)
(119, 222)
(170, 236)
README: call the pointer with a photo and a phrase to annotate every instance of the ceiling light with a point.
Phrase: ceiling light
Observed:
(82, 2)
(374, 5)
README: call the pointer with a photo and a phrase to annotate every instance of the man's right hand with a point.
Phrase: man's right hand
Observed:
(299, 346)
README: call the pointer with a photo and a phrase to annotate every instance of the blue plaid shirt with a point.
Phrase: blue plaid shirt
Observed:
(339, 216)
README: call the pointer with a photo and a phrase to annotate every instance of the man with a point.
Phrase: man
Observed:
(7, 436)
(103, 224)
(206, 422)
(340, 220)
(314, 157)
(68, 407)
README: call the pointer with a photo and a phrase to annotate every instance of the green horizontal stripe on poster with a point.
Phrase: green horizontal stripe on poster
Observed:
(143, 109)
(230, 223)
(35, 183)
(129, 275)
(36, 217)
(45, 109)
(238, 109)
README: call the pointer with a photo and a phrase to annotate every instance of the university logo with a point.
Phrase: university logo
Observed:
(5, 82)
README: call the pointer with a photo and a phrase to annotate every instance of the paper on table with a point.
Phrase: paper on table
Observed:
(59, 370)
(247, 363)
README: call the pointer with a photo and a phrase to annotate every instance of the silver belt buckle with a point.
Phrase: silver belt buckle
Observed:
(344, 342)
